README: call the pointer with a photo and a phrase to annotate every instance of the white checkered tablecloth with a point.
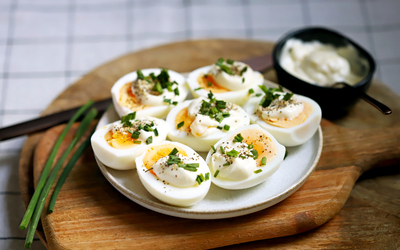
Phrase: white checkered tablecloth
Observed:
(45, 45)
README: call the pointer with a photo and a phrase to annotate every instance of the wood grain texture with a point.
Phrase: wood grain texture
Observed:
(91, 214)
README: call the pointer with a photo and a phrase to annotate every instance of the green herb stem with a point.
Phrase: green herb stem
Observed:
(47, 167)
(43, 195)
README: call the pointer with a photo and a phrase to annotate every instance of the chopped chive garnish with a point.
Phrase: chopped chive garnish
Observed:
(287, 96)
(175, 103)
(258, 94)
(207, 176)
(222, 149)
(216, 174)
(220, 104)
(176, 91)
(227, 127)
(264, 161)
(229, 61)
(200, 178)
(226, 164)
(214, 110)
(226, 114)
(137, 142)
(250, 146)
(209, 84)
(219, 127)
(219, 117)
(258, 171)
(213, 148)
(135, 134)
(149, 140)
(140, 74)
(220, 61)
(173, 159)
(173, 151)
(180, 124)
(251, 91)
(157, 87)
(233, 153)
(243, 79)
(255, 154)
(169, 87)
(167, 101)
(126, 120)
(148, 128)
(155, 132)
(243, 70)
(238, 138)
(286, 154)
(242, 156)
(189, 166)
(197, 88)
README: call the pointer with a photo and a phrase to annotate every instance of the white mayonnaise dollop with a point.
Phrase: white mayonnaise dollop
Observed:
(281, 109)
(142, 89)
(239, 168)
(204, 125)
(236, 81)
(173, 174)
(318, 63)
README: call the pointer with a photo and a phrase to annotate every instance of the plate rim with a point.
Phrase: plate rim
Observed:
(183, 212)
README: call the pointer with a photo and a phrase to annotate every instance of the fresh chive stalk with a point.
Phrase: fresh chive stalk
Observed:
(45, 191)
(47, 167)
(67, 170)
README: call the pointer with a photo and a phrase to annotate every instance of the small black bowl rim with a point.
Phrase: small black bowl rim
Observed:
(281, 42)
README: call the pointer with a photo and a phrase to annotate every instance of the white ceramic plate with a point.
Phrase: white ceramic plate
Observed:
(220, 203)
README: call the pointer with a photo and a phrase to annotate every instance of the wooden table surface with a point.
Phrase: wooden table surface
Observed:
(370, 217)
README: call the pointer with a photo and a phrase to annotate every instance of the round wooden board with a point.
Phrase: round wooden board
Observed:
(186, 56)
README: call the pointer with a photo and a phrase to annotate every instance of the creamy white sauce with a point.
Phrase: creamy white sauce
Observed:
(281, 109)
(143, 89)
(239, 168)
(203, 125)
(135, 124)
(321, 64)
(173, 174)
(233, 82)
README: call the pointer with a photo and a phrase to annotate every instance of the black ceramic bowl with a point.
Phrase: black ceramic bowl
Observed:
(334, 102)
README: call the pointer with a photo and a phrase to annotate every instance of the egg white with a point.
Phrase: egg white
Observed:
(123, 159)
(176, 196)
(292, 136)
(238, 97)
(155, 111)
(199, 144)
(255, 179)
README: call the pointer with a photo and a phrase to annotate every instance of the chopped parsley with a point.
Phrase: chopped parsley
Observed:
(180, 124)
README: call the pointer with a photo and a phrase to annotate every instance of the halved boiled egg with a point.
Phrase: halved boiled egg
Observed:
(244, 158)
(292, 119)
(118, 144)
(149, 92)
(174, 173)
(201, 122)
(227, 79)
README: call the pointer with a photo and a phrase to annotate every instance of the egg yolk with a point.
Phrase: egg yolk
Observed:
(128, 99)
(183, 116)
(261, 142)
(285, 123)
(154, 153)
(208, 83)
(119, 140)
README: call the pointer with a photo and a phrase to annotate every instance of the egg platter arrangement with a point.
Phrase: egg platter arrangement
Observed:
(163, 133)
